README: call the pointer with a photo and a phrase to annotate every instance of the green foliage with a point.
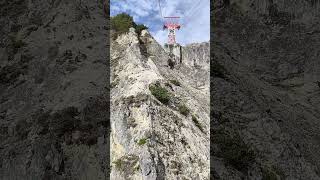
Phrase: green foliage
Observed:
(162, 94)
(139, 28)
(127, 163)
(184, 109)
(119, 164)
(196, 122)
(233, 150)
(142, 141)
(175, 82)
(121, 23)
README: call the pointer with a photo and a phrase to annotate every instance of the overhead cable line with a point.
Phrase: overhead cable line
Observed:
(192, 9)
(160, 10)
(190, 13)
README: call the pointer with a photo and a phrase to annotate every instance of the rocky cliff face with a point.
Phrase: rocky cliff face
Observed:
(265, 108)
(53, 100)
(159, 116)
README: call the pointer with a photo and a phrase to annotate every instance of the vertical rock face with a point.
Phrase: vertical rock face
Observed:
(278, 11)
(197, 55)
(53, 106)
(160, 116)
(265, 68)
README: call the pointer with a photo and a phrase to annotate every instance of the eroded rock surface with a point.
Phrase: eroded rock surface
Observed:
(155, 136)
(53, 100)
(265, 109)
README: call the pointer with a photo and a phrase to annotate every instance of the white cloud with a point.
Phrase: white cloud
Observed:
(139, 7)
(160, 36)
(195, 17)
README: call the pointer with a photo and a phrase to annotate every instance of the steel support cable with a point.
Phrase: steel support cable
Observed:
(191, 17)
(160, 10)
(192, 10)
(191, 13)
(197, 7)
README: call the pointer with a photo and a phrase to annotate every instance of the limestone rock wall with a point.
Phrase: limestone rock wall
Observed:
(53, 95)
(265, 69)
(151, 139)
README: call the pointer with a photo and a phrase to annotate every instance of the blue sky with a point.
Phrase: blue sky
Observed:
(195, 17)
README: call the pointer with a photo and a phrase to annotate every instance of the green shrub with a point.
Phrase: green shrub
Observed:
(119, 164)
(121, 23)
(139, 28)
(162, 94)
(196, 122)
(142, 141)
(175, 82)
(184, 109)
(127, 164)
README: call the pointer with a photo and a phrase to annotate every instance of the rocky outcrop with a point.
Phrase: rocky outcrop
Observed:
(53, 96)
(265, 68)
(159, 116)
(197, 55)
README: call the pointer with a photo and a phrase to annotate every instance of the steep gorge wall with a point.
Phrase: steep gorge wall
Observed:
(265, 70)
(151, 139)
(53, 94)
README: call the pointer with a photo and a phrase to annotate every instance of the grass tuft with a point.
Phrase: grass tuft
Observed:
(184, 110)
(175, 82)
(196, 122)
(142, 141)
(162, 94)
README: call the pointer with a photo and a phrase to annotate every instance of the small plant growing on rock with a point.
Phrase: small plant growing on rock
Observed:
(162, 94)
(196, 122)
(121, 23)
(175, 82)
(142, 141)
(119, 163)
(139, 28)
(184, 110)
(127, 164)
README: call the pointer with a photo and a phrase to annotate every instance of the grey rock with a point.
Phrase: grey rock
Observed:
(266, 105)
(169, 144)
(52, 90)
